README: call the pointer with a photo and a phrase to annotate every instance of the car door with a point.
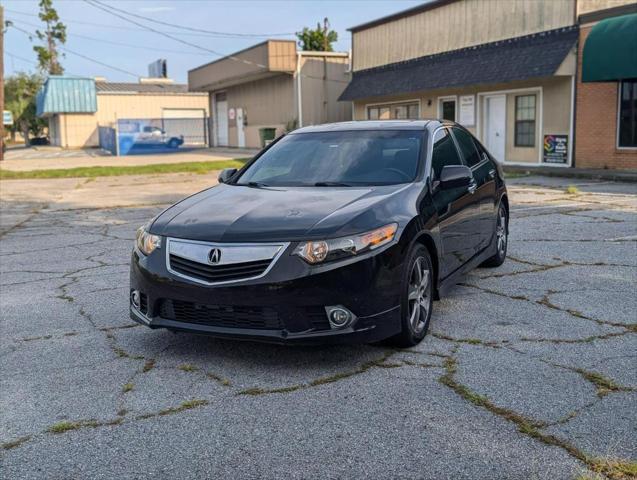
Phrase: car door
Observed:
(457, 209)
(485, 185)
(489, 199)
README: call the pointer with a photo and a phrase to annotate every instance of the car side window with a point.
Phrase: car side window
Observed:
(467, 147)
(483, 153)
(444, 152)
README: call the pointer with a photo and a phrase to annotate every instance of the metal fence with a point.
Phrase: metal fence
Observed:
(161, 135)
(108, 139)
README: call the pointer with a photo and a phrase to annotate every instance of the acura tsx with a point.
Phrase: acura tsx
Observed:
(343, 232)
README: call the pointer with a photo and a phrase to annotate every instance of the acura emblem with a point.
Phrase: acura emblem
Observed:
(214, 257)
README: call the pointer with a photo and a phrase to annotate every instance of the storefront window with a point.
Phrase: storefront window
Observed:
(525, 121)
(628, 114)
(399, 111)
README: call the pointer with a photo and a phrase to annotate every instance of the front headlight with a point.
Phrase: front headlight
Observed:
(317, 251)
(147, 242)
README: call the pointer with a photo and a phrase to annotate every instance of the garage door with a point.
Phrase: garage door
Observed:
(184, 113)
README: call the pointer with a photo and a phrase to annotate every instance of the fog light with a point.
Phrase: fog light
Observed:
(338, 316)
(135, 298)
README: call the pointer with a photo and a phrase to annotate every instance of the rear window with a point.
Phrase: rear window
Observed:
(372, 157)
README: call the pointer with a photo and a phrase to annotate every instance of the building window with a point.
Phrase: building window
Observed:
(399, 111)
(628, 114)
(525, 121)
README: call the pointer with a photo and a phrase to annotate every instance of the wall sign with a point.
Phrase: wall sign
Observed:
(555, 149)
(467, 115)
(231, 114)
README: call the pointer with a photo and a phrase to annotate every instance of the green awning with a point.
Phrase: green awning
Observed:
(610, 51)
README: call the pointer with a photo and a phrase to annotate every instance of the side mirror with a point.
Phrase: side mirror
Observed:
(455, 176)
(225, 174)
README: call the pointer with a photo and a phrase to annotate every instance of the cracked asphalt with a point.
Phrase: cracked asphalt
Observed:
(529, 370)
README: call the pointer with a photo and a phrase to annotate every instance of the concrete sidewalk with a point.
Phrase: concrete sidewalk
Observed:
(587, 173)
(45, 159)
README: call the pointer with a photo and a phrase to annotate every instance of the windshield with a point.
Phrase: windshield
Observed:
(338, 159)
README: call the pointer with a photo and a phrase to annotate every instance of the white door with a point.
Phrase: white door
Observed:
(495, 123)
(241, 136)
(221, 112)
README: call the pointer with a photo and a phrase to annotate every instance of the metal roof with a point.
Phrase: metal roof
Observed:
(61, 94)
(122, 87)
(531, 56)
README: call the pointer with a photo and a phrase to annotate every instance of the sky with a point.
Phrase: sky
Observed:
(97, 36)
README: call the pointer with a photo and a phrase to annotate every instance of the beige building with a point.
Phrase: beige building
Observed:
(505, 70)
(271, 86)
(76, 107)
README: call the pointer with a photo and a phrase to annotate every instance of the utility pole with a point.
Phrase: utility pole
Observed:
(326, 26)
(2, 81)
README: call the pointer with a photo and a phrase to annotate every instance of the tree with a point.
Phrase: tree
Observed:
(48, 56)
(19, 97)
(319, 40)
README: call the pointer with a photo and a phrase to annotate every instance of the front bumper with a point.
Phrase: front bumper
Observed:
(292, 295)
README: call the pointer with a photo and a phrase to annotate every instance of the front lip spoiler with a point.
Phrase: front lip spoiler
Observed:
(268, 336)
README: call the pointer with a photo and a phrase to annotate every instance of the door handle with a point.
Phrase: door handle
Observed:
(472, 187)
(492, 174)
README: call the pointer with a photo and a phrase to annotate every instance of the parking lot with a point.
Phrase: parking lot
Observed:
(529, 370)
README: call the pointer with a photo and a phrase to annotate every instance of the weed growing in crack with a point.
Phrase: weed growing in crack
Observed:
(187, 367)
(612, 469)
(128, 387)
(149, 365)
(15, 443)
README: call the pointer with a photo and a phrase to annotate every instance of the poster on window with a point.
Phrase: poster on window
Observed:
(555, 149)
(467, 110)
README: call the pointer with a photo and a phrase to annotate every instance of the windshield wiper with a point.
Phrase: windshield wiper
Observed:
(254, 184)
(332, 184)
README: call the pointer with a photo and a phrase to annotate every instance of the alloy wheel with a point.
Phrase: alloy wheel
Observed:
(501, 232)
(419, 295)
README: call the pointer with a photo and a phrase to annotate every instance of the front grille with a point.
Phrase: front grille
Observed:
(143, 303)
(317, 318)
(264, 318)
(218, 273)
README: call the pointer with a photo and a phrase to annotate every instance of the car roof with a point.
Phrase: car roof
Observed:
(367, 125)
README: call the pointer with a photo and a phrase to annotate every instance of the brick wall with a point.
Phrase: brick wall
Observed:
(596, 122)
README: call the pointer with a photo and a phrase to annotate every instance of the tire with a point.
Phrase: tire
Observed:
(502, 239)
(416, 298)
(173, 143)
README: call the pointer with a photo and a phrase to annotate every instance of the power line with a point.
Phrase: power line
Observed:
(188, 33)
(108, 9)
(100, 63)
(110, 42)
(192, 29)
(30, 35)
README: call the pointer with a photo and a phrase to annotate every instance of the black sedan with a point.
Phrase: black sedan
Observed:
(336, 233)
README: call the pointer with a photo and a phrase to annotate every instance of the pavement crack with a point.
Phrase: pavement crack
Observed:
(529, 427)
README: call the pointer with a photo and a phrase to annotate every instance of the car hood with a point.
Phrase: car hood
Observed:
(233, 213)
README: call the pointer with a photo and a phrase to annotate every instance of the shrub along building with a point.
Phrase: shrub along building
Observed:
(505, 70)
(271, 88)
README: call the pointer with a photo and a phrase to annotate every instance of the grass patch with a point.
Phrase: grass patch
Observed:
(149, 365)
(604, 385)
(64, 426)
(112, 171)
(262, 391)
(128, 387)
(15, 443)
(187, 367)
(223, 381)
(572, 190)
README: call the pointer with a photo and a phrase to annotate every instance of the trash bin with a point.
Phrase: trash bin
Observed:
(267, 135)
